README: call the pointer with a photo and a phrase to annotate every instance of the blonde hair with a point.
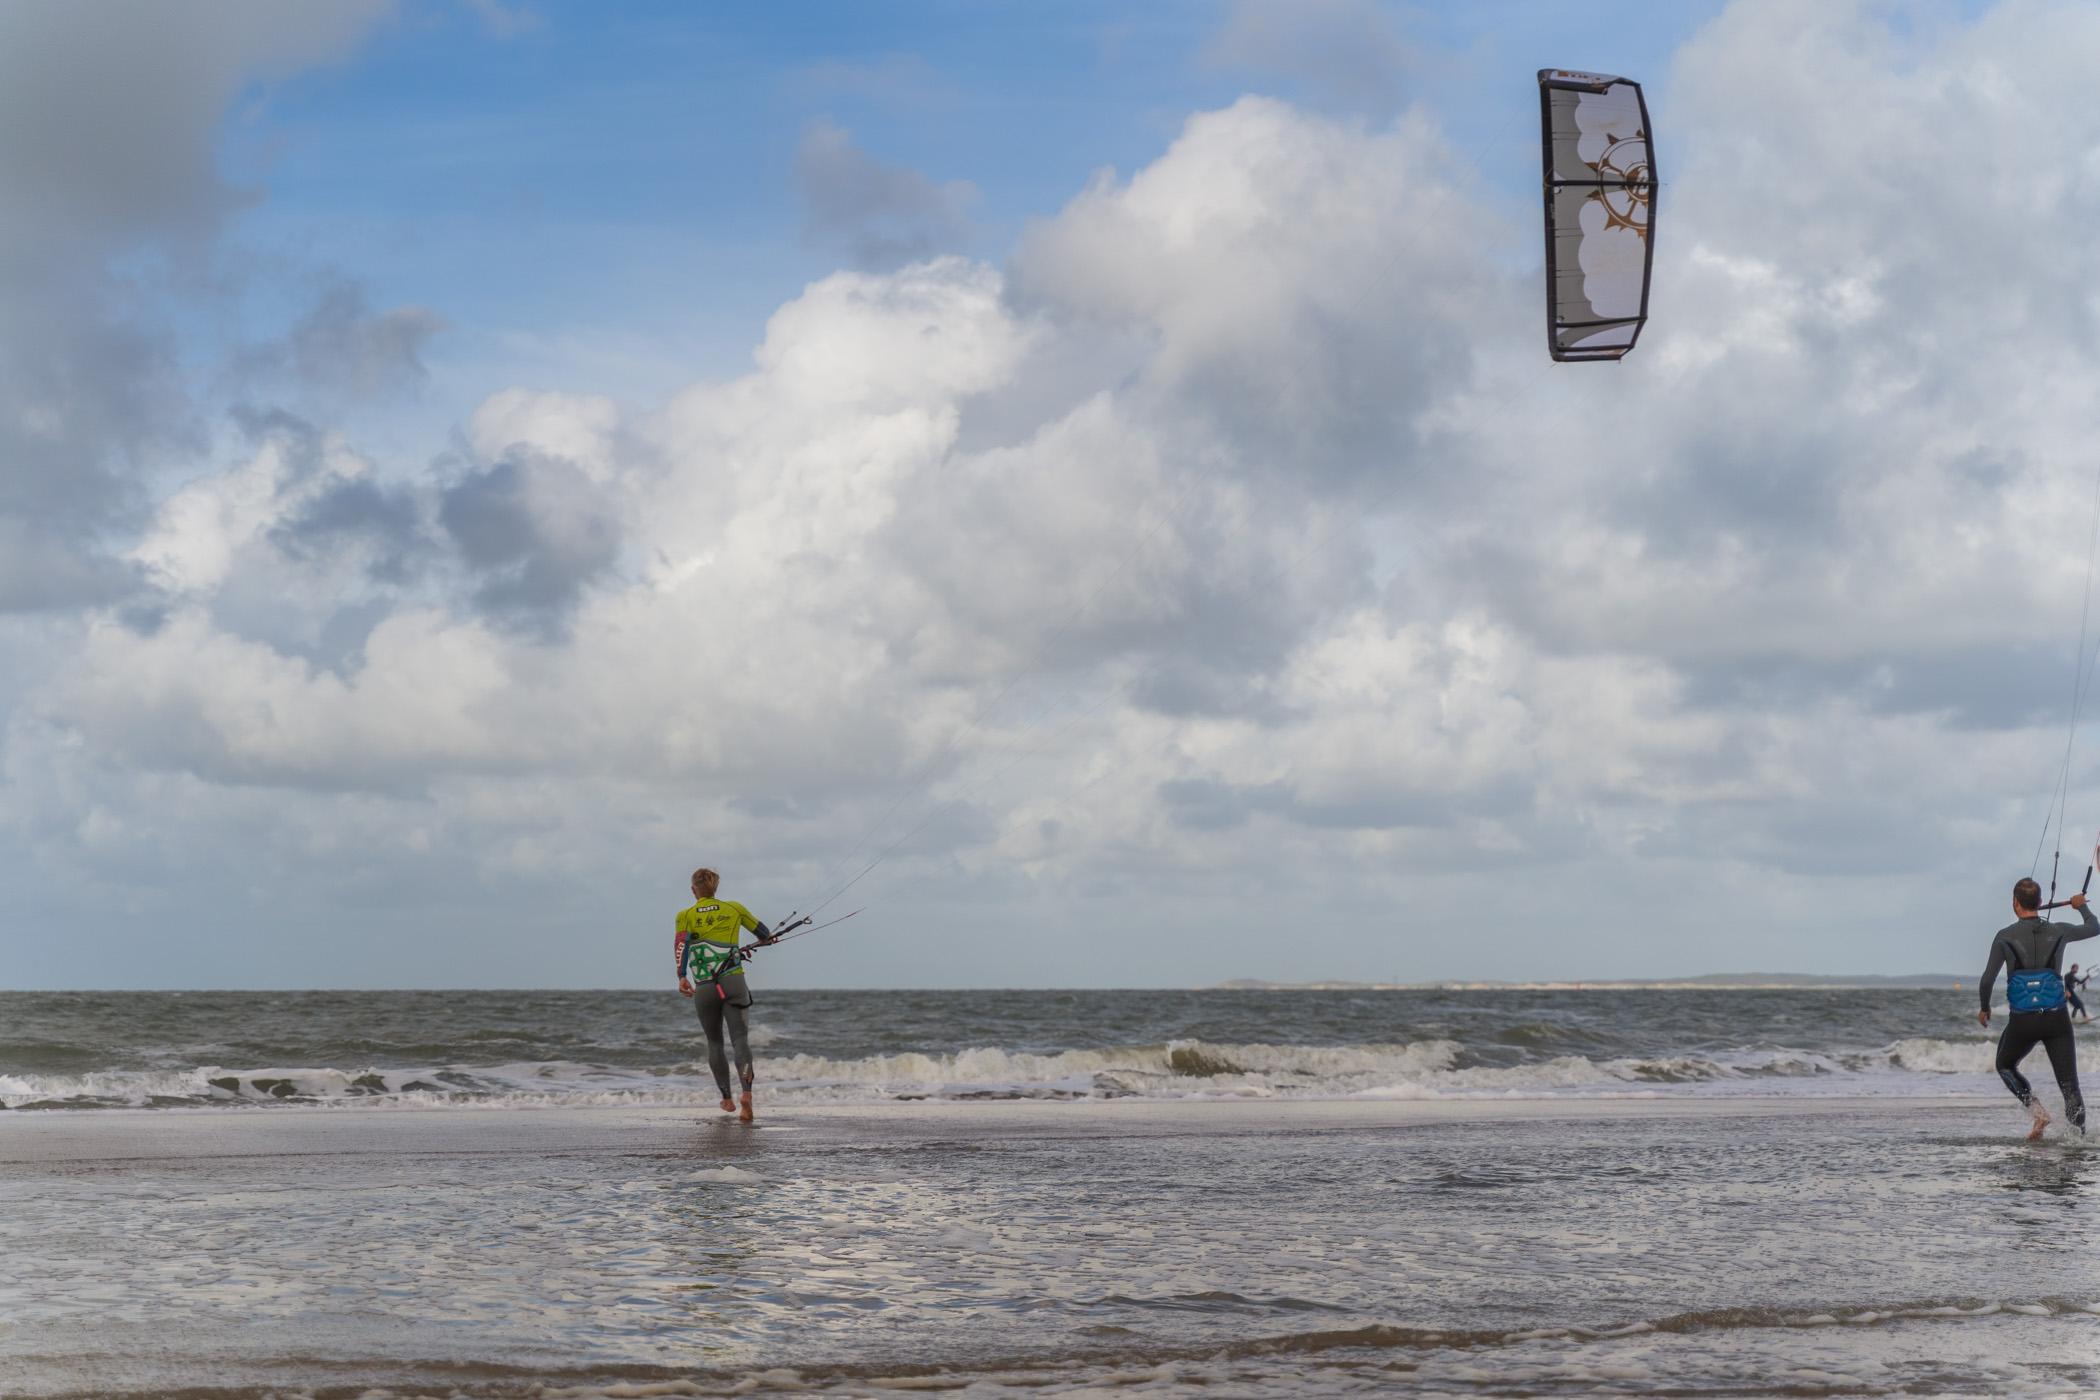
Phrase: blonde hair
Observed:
(707, 880)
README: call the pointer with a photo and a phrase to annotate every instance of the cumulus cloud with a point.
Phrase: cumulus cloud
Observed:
(298, 545)
(581, 428)
(533, 530)
(1236, 524)
(1309, 289)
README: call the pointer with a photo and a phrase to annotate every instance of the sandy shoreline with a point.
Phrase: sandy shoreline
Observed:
(118, 1135)
(1269, 1248)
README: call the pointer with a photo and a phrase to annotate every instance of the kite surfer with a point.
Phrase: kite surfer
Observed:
(2030, 950)
(2073, 985)
(711, 972)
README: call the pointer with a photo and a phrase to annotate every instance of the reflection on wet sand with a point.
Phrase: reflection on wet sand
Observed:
(1267, 1249)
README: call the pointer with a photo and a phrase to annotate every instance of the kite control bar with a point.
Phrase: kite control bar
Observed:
(2060, 903)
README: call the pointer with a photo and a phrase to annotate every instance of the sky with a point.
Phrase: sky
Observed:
(1082, 484)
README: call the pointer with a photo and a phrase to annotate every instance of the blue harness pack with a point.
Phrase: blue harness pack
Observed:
(2035, 989)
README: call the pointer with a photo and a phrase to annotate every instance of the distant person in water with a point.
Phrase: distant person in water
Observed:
(711, 971)
(2073, 985)
(2031, 949)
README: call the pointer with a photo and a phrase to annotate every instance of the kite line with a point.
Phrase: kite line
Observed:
(2054, 807)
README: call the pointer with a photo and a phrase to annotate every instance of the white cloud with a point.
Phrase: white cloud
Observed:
(200, 529)
(580, 428)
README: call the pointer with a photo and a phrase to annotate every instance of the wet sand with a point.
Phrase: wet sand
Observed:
(1552, 1246)
(125, 1135)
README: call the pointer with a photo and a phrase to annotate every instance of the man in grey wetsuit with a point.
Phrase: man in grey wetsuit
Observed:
(2028, 944)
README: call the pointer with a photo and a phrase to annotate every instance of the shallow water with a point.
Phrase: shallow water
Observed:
(1677, 1247)
(80, 1050)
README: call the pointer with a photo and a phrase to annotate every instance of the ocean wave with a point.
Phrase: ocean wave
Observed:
(553, 1081)
(1176, 1069)
(1183, 1067)
(1973, 1055)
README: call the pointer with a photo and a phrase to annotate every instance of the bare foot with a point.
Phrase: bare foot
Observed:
(728, 1104)
(2041, 1124)
(743, 1112)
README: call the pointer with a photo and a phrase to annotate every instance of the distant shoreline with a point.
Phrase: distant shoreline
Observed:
(1719, 981)
(1709, 982)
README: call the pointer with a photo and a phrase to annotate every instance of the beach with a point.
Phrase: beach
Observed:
(1746, 1245)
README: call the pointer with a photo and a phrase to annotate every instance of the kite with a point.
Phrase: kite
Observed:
(1600, 185)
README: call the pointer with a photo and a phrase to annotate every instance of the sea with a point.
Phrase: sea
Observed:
(1260, 1193)
(82, 1051)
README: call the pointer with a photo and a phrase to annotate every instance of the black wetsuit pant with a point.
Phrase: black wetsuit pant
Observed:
(2052, 1031)
(716, 1011)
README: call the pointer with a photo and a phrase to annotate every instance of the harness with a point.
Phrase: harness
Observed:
(2036, 988)
(711, 962)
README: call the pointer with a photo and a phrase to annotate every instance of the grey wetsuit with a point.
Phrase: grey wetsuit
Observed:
(717, 1010)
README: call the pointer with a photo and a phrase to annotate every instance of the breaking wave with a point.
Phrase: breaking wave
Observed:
(1177, 1069)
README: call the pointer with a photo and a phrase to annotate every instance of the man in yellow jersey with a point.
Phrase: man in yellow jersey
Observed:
(707, 955)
